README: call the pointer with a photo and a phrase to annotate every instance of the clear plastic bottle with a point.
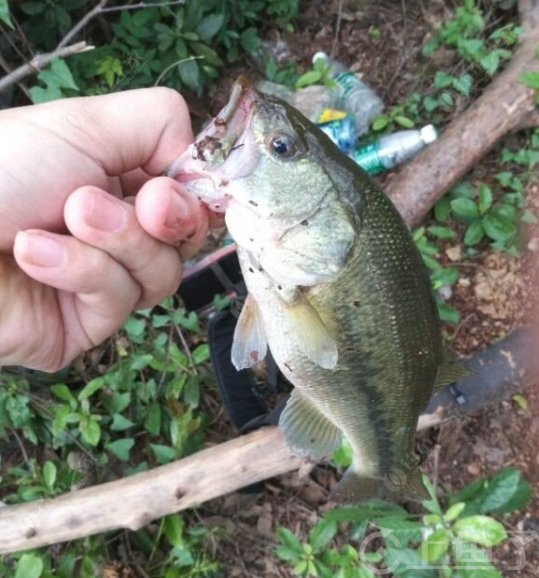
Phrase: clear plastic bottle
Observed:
(393, 149)
(353, 95)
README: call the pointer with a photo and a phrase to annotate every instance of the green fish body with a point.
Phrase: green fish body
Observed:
(337, 289)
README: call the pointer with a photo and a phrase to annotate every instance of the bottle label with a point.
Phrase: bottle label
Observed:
(347, 81)
(367, 158)
(329, 114)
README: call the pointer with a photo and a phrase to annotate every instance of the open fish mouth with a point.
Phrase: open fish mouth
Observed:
(210, 163)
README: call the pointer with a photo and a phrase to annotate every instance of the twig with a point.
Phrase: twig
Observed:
(337, 29)
(101, 8)
(21, 445)
(8, 70)
(40, 61)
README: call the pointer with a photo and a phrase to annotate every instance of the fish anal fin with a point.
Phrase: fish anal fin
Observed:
(307, 431)
(394, 486)
(249, 345)
(312, 335)
(450, 371)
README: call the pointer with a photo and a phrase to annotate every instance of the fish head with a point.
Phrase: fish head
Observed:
(259, 159)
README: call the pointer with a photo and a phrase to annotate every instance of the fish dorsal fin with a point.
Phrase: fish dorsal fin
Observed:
(312, 335)
(250, 344)
(450, 371)
(307, 431)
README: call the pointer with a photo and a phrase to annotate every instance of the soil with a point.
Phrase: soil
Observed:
(382, 41)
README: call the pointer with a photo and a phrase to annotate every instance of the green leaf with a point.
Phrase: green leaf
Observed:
(504, 492)
(91, 387)
(121, 448)
(173, 528)
(380, 122)
(189, 73)
(289, 540)
(442, 210)
(191, 394)
(441, 232)
(485, 198)
(403, 529)
(436, 545)
(163, 454)
(120, 423)
(91, 432)
(152, 423)
(431, 504)
(530, 78)
(60, 419)
(4, 13)
(473, 562)
(287, 554)
(520, 400)
(404, 121)
(465, 209)
(29, 566)
(366, 512)
(209, 26)
(33, 8)
(499, 227)
(407, 563)
(448, 313)
(308, 78)
(201, 353)
(58, 74)
(480, 529)
(474, 234)
(63, 392)
(322, 533)
(454, 511)
(49, 474)
(444, 276)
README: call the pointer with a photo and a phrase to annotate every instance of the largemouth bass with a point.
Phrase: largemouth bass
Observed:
(337, 289)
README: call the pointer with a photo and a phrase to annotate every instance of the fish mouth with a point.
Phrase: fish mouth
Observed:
(212, 161)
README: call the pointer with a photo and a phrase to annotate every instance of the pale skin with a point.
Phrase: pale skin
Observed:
(89, 230)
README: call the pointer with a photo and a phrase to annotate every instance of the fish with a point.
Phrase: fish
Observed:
(337, 290)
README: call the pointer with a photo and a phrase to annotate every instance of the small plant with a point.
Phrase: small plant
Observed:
(451, 539)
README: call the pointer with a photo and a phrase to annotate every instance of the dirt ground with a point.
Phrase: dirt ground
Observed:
(492, 295)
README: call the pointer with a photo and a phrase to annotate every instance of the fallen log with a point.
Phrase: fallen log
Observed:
(506, 105)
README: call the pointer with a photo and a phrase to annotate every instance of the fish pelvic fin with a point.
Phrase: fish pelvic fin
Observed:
(249, 345)
(355, 487)
(306, 430)
(312, 335)
(450, 371)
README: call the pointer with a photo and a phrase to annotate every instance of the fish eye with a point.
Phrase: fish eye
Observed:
(283, 146)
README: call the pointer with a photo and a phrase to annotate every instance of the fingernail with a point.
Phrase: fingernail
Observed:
(178, 212)
(104, 214)
(41, 250)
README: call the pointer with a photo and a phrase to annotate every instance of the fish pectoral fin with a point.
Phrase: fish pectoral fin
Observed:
(249, 345)
(307, 431)
(394, 486)
(450, 371)
(312, 335)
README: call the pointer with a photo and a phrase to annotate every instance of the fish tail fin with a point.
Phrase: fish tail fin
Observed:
(396, 485)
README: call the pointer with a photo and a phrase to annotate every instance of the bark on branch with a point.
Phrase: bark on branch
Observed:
(505, 106)
(132, 502)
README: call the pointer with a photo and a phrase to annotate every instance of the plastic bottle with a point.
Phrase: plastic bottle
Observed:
(340, 128)
(393, 149)
(353, 94)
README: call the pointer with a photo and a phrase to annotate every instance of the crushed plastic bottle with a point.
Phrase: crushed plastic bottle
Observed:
(353, 95)
(393, 149)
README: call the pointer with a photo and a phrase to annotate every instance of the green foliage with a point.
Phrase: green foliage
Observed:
(142, 410)
(182, 46)
(4, 13)
(58, 82)
(450, 536)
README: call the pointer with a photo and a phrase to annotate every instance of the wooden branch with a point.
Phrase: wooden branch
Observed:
(40, 61)
(504, 368)
(504, 106)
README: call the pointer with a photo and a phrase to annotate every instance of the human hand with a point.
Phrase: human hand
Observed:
(78, 251)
